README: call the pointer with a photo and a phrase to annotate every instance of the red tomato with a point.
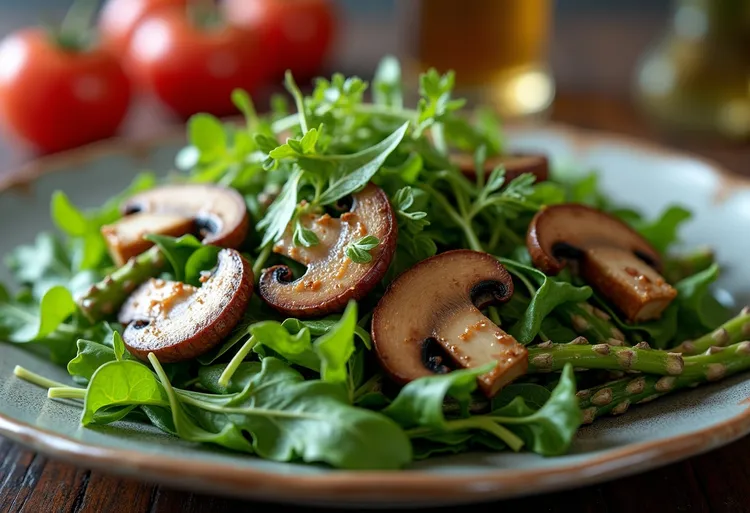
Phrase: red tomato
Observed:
(56, 98)
(303, 30)
(194, 69)
(119, 18)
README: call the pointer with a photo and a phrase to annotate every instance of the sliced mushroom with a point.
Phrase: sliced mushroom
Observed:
(436, 305)
(611, 256)
(125, 238)
(179, 322)
(515, 165)
(331, 278)
(218, 214)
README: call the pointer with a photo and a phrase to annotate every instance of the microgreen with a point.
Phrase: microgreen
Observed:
(359, 251)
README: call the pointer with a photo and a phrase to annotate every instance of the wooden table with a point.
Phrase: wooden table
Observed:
(718, 481)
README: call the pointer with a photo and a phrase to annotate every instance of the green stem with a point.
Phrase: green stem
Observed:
(234, 364)
(553, 357)
(76, 25)
(36, 379)
(261, 260)
(299, 100)
(471, 237)
(734, 330)
(66, 393)
(105, 298)
(617, 396)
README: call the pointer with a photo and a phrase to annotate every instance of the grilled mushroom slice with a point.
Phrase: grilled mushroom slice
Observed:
(611, 256)
(218, 214)
(179, 322)
(331, 278)
(515, 165)
(435, 306)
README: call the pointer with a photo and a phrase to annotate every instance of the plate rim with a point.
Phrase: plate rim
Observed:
(379, 487)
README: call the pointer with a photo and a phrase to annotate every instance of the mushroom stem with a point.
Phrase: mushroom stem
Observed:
(553, 357)
(615, 397)
(105, 298)
(590, 322)
(734, 330)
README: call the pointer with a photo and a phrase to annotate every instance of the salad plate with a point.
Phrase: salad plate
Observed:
(634, 173)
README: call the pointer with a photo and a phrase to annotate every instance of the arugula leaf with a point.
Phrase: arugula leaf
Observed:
(359, 251)
(662, 231)
(354, 171)
(296, 348)
(281, 210)
(289, 418)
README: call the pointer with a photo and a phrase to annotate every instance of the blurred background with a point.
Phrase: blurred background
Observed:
(676, 68)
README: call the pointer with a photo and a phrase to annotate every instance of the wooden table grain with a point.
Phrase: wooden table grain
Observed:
(718, 481)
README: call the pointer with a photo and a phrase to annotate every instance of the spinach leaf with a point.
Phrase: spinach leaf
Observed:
(177, 251)
(533, 395)
(48, 263)
(91, 356)
(548, 294)
(336, 346)
(418, 408)
(658, 333)
(116, 388)
(699, 310)
(289, 418)
(549, 430)
(23, 323)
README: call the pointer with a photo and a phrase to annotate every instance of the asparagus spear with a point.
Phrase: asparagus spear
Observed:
(616, 397)
(678, 267)
(591, 322)
(734, 330)
(550, 357)
(105, 297)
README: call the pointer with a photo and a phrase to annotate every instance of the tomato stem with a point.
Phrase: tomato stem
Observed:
(204, 14)
(75, 32)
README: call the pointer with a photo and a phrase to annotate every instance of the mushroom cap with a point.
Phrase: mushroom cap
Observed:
(436, 301)
(515, 165)
(179, 322)
(562, 231)
(331, 278)
(219, 213)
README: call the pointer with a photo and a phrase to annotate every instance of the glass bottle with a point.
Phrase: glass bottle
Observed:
(498, 50)
(697, 78)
